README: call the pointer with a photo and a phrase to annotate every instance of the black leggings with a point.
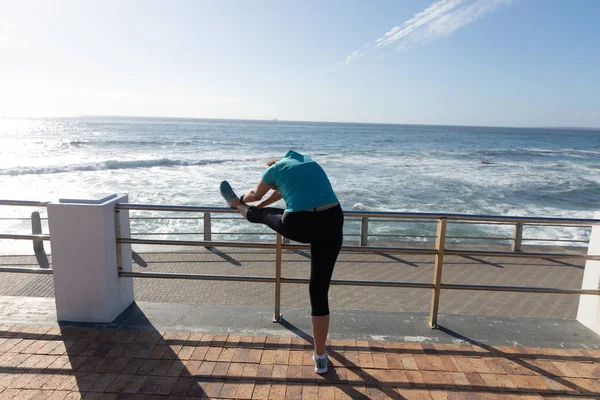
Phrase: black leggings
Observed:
(323, 230)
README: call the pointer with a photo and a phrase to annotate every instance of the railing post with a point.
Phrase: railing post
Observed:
(440, 244)
(38, 245)
(207, 227)
(364, 231)
(518, 238)
(118, 236)
(277, 313)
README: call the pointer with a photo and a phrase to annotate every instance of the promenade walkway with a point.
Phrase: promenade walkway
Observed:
(203, 339)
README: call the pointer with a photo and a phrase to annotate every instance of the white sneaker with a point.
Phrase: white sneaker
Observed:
(321, 363)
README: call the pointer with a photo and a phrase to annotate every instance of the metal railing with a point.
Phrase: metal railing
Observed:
(36, 237)
(439, 252)
(516, 239)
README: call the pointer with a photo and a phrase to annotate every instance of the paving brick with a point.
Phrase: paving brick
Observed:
(279, 372)
(134, 385)
(213, 354)
(199, 353)
(58, 395)
(149, 385)
(161, 368)
(147, 366)
(261, 391)
(220, 369)
(166, 385)
(295, 357)
(228, 390)
(254, 356)
(235, 370)
(182, 386)
(293, 391)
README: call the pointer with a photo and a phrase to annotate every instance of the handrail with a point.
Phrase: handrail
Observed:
(377, 214)
(24, 203)
(41, 271)
(357, 249)
(25, 237)
(440, 251)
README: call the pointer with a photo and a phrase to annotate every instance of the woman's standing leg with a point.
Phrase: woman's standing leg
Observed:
(324, 252)
(322, 263)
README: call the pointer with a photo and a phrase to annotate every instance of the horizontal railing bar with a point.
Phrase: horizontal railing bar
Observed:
(265, 279)
(203, 243)
(518, 255)
(164, 242)
(523, 289)
(157, 207)
(24, 203)
(25, 237)
(20, 219)
(359, 249)
(27, 270)
(227, 233)
(430, 221)
(185, 218)
(468, 217)
(199, 233)
(432, 237)
(415, 285)
(555, 225)
(379, 214)
(369, 249)
(556, 240)
(397, 235)
(479, 237)
(243, 233)
(158, 218)
(205, 277)
(373, 219)
(357, 234)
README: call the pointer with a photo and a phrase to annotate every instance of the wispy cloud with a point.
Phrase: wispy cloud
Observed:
(440, 19)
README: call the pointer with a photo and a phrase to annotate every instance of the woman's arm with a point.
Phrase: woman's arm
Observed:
(257, 193)
(273, 197)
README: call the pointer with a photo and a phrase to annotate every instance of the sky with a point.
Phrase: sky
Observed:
(446, 62)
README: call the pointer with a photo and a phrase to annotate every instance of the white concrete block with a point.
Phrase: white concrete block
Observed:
(588, 312)
(84, 258)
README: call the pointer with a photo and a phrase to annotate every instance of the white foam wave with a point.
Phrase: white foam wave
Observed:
(107, 165)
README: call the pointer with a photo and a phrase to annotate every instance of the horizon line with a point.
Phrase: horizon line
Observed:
(300, 121)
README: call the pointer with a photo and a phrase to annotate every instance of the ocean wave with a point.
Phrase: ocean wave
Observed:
(121, 143)
(108, 165)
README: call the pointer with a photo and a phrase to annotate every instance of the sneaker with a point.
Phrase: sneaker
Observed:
(228, 193)
(321, 364)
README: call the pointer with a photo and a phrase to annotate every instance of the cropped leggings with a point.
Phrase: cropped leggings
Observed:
(323, 230)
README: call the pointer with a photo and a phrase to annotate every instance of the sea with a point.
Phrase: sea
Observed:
(541, 172)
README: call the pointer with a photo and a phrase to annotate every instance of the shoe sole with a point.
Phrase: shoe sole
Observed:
(227, 192)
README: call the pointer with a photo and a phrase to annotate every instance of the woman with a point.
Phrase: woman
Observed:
(312, 215)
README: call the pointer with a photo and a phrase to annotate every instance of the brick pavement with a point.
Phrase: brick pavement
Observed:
(51, 362)
(383, 266)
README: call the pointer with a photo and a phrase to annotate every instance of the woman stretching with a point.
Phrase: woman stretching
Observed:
(312, 215)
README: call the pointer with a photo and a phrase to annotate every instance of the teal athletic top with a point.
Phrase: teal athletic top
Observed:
(301, 181)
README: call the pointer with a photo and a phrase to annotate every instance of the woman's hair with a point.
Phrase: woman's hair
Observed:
(271, 162)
